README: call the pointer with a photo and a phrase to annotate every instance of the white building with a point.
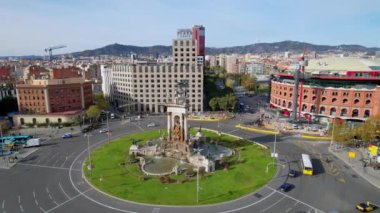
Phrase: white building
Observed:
(145, 87)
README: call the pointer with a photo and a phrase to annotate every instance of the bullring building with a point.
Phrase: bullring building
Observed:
(146, 87)
(345, 88)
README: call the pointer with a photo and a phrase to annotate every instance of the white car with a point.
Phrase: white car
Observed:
(103, 131)
(151, 125)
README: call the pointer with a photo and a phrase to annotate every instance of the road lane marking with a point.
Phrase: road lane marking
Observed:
(252, 204)
(308, 205)
(82, 193)
(49, 167)
(19, 199)
(21, 209)
(51, 198)
(288, 209)
(43, 157)
(42, 209)
(52, 157)
(296, 204)
(273, 204)
(138, 126)
(2, 205)
(60, 186)
(233, 130)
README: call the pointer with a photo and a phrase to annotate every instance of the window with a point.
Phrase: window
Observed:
(367, 102)
(343, 112)
(367, 113)
(332, 111)
(357, 95)
(304, 107)
(305, 97)
(334, 100)
(334, 93)
(323, 99)
(322, 110)
(345, 101)
(355, 113)
(356, 101)
(312, 109)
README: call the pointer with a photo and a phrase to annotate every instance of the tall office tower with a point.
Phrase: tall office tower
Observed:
(199, 35)
(189, 47)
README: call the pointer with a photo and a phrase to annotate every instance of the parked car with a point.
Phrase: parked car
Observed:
(67, 135)
(294, 126)
(292, 173)
(151, 125)
(314, 129)
(285, 187)
(365, 207)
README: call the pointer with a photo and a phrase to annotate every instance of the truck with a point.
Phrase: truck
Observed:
(33, 142)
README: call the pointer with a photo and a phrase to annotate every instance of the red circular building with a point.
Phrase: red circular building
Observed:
(348, 95)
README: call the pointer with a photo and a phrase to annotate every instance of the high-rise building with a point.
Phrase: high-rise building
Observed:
(146, 87)
(198, 34)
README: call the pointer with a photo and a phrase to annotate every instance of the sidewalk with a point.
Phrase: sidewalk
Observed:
(368, 173)
(7, 162)
(47, 132)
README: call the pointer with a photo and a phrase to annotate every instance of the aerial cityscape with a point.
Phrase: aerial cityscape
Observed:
(171, 106)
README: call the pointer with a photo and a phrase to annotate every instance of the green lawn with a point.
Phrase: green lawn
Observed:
(113, 176)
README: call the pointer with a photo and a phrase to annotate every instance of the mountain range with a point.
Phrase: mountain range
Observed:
(258, 48)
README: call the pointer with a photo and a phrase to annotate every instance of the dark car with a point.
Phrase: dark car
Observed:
(285, 187)
(67, 135)
(292, 173)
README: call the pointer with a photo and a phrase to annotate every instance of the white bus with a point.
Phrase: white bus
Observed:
(307, 167)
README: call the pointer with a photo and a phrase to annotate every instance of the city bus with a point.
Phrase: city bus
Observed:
(19, 139)
(307, 167)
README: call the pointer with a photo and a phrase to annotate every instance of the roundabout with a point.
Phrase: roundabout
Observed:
(52, 180)
(239, 175)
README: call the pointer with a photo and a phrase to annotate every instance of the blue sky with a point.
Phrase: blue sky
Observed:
(28, 26)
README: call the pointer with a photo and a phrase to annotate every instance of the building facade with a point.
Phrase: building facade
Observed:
(346, 96)
(54, 95)
(146, 87)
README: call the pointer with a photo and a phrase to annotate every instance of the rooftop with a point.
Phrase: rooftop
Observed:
(342, 64)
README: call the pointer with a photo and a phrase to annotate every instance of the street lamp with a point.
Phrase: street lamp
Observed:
(198, 150)
(332, 133)
(108, 129)
(89, 156)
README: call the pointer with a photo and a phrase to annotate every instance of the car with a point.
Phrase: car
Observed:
(103, 131)
(294, 126)
(365, 207)
(67, 135)
(292, 173)
(151, 125)
(314, 129)
(285, 187)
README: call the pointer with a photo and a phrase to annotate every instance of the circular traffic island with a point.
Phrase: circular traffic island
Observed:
(116, 173)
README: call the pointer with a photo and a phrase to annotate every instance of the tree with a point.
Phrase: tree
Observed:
(8, 104)
(342, 133)
(369, 131)
(231, 101)
(93, 111)
(223, 103)
(100, 101)
(249, 83)
(230, 83)
(213, 103)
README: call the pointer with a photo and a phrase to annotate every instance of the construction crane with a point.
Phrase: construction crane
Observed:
(50, 50)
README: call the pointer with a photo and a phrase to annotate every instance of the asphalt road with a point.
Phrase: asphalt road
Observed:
(50, 180)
